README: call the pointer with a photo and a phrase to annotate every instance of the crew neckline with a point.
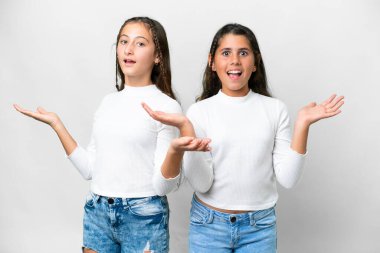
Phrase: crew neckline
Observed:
(139, 89)
(231, 99)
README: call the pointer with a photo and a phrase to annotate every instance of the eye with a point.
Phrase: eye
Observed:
(226, 53)
(123, 42)
(244, 53)
(140, 44)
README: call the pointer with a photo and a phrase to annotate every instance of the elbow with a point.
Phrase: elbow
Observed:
(288, 184)
(161, 185)
(86, 176)
(203, 187)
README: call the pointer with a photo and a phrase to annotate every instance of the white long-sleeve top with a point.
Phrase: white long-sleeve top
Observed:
(127, 146)
(250, 149)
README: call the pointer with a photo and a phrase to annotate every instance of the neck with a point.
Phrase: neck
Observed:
(236, 93)
(137, 81)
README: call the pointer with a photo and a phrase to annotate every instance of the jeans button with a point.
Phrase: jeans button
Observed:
(111, 201)
(232, 219)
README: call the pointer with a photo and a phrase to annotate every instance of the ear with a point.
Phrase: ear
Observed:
(212, 66)
(254, 68)
(156, 60)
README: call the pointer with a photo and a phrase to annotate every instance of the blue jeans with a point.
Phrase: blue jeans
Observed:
(213, 231)
(119, 225)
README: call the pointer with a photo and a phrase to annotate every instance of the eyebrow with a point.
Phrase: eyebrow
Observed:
(137, 37)
(239, 49)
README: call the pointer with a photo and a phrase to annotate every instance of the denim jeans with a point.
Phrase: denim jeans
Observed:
(213, 231)
(121, 225)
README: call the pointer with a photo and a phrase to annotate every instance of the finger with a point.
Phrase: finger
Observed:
(203, 147)
(331, 98)
(24, 111)
(186, 140)
(147, 109)
(194, 144)
(204, 144)
(334, 102)
(332, 114)
(336, 106)
(18, 108)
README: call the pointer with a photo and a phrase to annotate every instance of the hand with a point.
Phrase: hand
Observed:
(187, 143)
(313, 112)
(173, 119)
(41, 114)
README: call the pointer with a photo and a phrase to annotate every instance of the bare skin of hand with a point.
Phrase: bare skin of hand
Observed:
(52, 119)
(173, 119)
(187, 143)
(314, 112)
(40, 114)
(310, 114)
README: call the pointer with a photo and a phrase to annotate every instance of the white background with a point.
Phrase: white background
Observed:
(61, 55)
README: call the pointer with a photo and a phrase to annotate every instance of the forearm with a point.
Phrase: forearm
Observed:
(300, 135)
(172, 164)
(68, 142)
(187, 129)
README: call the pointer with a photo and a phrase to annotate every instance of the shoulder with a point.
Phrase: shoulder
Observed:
(202, 105)
(274, 104)
(167, 104)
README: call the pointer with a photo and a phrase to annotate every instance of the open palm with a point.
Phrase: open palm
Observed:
(173, 119)
(40, 114)
(314, 112)
(187, 143)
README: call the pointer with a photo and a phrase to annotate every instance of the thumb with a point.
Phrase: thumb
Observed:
(41, 110)
(312, 104)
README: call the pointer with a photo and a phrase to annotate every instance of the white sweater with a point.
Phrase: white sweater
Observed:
(127, 146)
(250, 141)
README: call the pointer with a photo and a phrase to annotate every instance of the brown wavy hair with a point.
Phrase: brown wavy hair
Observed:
(258, 80)
(161, 73)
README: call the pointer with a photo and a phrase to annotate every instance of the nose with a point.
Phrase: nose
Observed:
(128, 50)
(235, 59)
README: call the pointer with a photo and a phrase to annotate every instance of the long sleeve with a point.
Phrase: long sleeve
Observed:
(197, 165)
(287, 163)
(166, 134)
(84, 159)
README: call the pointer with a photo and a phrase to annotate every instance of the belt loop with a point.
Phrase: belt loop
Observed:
(210, 216)
(95, 197)
(125, 202)
(251, 218)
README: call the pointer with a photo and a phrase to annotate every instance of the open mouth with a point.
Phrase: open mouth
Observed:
(128, 61)
(234, 74)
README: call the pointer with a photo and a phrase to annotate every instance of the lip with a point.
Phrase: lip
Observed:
(129, 62)
(234, 74)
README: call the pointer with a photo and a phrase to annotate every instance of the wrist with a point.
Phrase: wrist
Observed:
(173, 150)
(57, 125)
(187, 129)
(302, 123)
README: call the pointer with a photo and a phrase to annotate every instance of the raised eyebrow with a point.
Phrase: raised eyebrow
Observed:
(137, 37)
(239, 49)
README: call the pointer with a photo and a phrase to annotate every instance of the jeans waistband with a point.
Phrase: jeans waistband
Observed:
(125, 201)
(228, 217)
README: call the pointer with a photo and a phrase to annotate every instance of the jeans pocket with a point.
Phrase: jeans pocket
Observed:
(145, 207)
(265, 218)
(198, 217)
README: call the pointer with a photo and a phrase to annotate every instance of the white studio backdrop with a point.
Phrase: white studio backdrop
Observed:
(61, 55)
